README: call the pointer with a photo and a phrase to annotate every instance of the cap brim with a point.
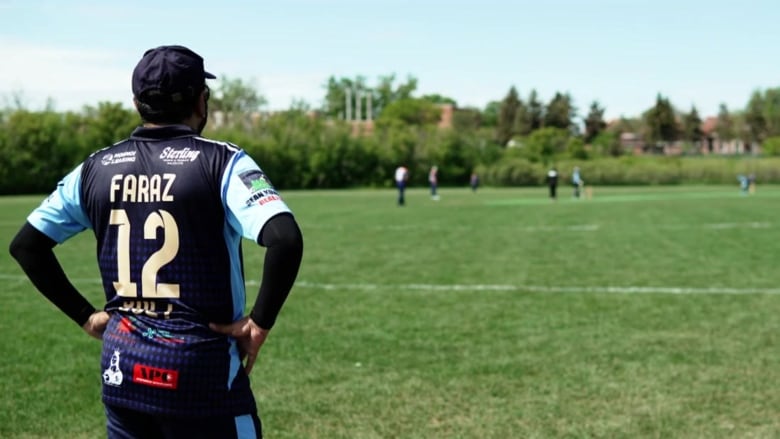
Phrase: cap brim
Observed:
(208, 75)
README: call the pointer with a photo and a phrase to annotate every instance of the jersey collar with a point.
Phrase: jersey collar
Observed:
(162, 132)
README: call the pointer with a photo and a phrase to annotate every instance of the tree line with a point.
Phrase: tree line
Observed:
(509, 142)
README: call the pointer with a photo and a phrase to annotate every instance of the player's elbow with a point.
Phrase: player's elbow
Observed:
(29, 243)
(20, 246)
(16, 248)
(292, 239)
(282, 231)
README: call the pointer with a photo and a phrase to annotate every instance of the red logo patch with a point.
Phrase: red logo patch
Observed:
(155, 377)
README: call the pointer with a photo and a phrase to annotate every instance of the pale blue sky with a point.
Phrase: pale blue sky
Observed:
(619, 52)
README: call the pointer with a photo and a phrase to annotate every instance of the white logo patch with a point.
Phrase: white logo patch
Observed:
(113, 375)
(121, 157)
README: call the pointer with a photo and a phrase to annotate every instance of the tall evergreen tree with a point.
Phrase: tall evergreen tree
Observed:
(691, 126)
(725, 127)
(535, 112)
(594, 122)
(660, 122)
(771, 111)
(754, 117)
(522, 125)
(507, 117)
(560, 112)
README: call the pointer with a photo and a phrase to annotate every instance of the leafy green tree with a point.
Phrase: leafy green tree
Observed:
(594, 122)
(235, 100)
(607, 143)
(546, 143)
(439, 99)
(464, 119)
(490, 114)
(626, 125)
(37, 148)
(106, 124)
(410, 111)
(383, 94)
(335, 103)
(507, 117)
(771, 146)
(387, 92)
(575, 148)
(455, 156)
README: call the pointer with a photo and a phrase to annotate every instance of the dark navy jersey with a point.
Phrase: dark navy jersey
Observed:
(168, 209)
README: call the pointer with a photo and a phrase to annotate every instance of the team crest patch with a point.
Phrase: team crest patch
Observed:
(113, 375)
(255, 180)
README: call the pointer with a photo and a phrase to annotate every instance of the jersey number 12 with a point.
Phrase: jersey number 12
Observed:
(170, 247)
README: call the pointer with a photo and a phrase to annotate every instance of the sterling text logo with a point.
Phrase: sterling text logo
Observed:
(174, 156)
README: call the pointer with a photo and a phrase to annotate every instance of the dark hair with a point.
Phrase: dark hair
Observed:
(165, 112)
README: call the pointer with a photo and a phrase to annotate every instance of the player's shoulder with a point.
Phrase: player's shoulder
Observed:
(228, 146)
(107, 153)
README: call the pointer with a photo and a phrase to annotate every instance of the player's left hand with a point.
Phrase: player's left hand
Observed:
(249, 337)
(96, 324)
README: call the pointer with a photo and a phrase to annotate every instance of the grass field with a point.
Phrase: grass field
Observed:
(641, 313)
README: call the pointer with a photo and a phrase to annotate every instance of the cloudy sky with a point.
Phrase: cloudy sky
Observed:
(619, 52)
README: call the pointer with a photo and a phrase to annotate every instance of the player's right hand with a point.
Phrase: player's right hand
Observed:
(96, 324)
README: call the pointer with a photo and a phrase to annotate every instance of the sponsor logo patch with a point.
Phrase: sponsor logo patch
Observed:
(255, 181)
(174, 156)
(263, 197)
(155, 377)
(260, 186)
(120, 157)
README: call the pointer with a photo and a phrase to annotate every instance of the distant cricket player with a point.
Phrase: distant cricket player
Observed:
(433, 180)
(401, 178)
(576, 181)
(552, 183)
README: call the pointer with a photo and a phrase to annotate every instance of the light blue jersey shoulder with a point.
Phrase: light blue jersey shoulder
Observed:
(61, 215)
(249, 197)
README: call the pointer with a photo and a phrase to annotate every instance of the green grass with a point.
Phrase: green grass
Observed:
(641, 313)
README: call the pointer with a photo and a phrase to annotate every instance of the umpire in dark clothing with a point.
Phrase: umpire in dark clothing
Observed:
(552, 182)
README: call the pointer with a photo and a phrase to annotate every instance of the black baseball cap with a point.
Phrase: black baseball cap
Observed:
(169, 74)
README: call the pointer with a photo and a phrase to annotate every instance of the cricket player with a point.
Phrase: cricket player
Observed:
(401, 178)
(168, 209)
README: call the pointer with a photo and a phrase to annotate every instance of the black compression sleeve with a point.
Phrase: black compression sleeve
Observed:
(282, 237)
(33, 251)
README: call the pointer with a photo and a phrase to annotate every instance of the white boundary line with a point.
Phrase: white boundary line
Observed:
(551, 289)
(533, 229)
(536, 288)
